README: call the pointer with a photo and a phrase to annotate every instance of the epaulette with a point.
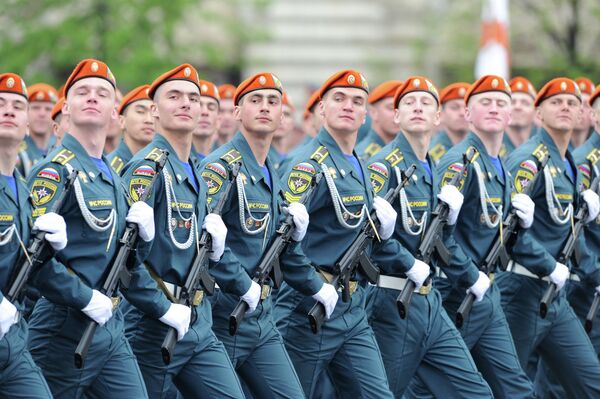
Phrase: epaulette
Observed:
(63, 157)
(372, 149)
(231, 156)
(541, 152)
(593, 156)
(473, 150)
(23, 146)
(437, 152)
(320, 154)
(117, 164)
(154, 155)
(394, 157)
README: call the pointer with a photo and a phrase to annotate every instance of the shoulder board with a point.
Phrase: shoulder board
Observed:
(593, 156)
(22, 146)
(372, 149)
(154, 155)
(437, 152)
(394, 157)
(320, 154)
(231, 156)
(540, 152)
(63, 157)
(117, 164)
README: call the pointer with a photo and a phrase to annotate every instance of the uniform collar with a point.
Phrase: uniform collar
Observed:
(181, 176)
(338, 157)
(123, 151)
(87, 164)
(489, 168)
(375, 138)
(410, 157)
(249, 163)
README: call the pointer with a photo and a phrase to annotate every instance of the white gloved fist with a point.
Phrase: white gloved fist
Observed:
(328, 296)
(454, 198)
(142, 214)
(214, 225)
(99, 308)
(252, 296)
(560, 275)
(525, 208)
(8, 316)
(418, 273)
(593, 203)
(386, 216)
(178, 316)
(300, 217)
(56, 229)
(480, 287)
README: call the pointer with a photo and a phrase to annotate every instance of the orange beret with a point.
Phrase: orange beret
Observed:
(285, 100)
(384, 90)
(260, 81)
(209, 89)
(488, 83)
(90, 68)
(57, 109)
(558, 86)
(519, 84)
(226, 91)
(311, 103)
(139, 93)
(586, 86)
(42, 92)
(61, 91)
(415, 83)
(182, 72)
(454, 91)
(345, 78)
(594, 96)
(13, 83)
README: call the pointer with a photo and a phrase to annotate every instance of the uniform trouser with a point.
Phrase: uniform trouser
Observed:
(199, 368)
(426, 344)
(20, 377)
(559, 339)
(110, 368)
(257, 350)
(580, 298)
(487, 335)
(345, 344)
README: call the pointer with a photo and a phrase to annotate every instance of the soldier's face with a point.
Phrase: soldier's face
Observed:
(452, 116)
(13, 117)
(344, 109)
(382, 114)
(559, 112)
(177, 106)
(208, 123)
(418, 112)
(260, 111)
(228, 125)
(91, 102)
(523, 110)
(40, 117)
(584, 122)
(287, 123)
(489, 112)
(137, 121)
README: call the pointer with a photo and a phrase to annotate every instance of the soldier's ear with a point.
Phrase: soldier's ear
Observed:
(65, 108)
(538, 114)
(237, 113)
(468, 114)
(322, 109)
(436, 118)
(122, 122)
(396, 116)
(154, 110)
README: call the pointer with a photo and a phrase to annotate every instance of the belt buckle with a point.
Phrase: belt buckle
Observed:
(491, 277)
(425, 289)
(266, 291)
(198, 296)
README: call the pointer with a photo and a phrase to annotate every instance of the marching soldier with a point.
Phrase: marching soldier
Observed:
(208, 123)
(19, 377)
(42, 98)
(137, 126)
(252, 214)
(95, 218)
(520, 126)
(452, 118)
(199, 366)
(425, 344)
(585, 124)
(487, 189)
(228, 125)
(383, 126)
(558, 338)
(279, 145)
(345, 346)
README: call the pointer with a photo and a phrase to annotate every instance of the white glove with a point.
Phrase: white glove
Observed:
(178, 316)
(525, 209)
(214, 225)
(8, 316)
(387, 217)
(99, 308)
(252, 296)
(142, 214)
(560, 275)
(454, 198)
(598, 290)
(480, 287)
(328, 296)
(593, 203)
(418, 272)
(300, 217)
(56, 229)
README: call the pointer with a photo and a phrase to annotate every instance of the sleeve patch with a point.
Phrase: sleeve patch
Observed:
(305, 167)
(529, 165)
(456, 167)
(42, 192)
(144, 170)
(50, 174)
(522, 179)
(213, 182)
(299, 182)
(377, 181)
(291, 198)
(380, 168)
(137, 187)
(218, 169)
